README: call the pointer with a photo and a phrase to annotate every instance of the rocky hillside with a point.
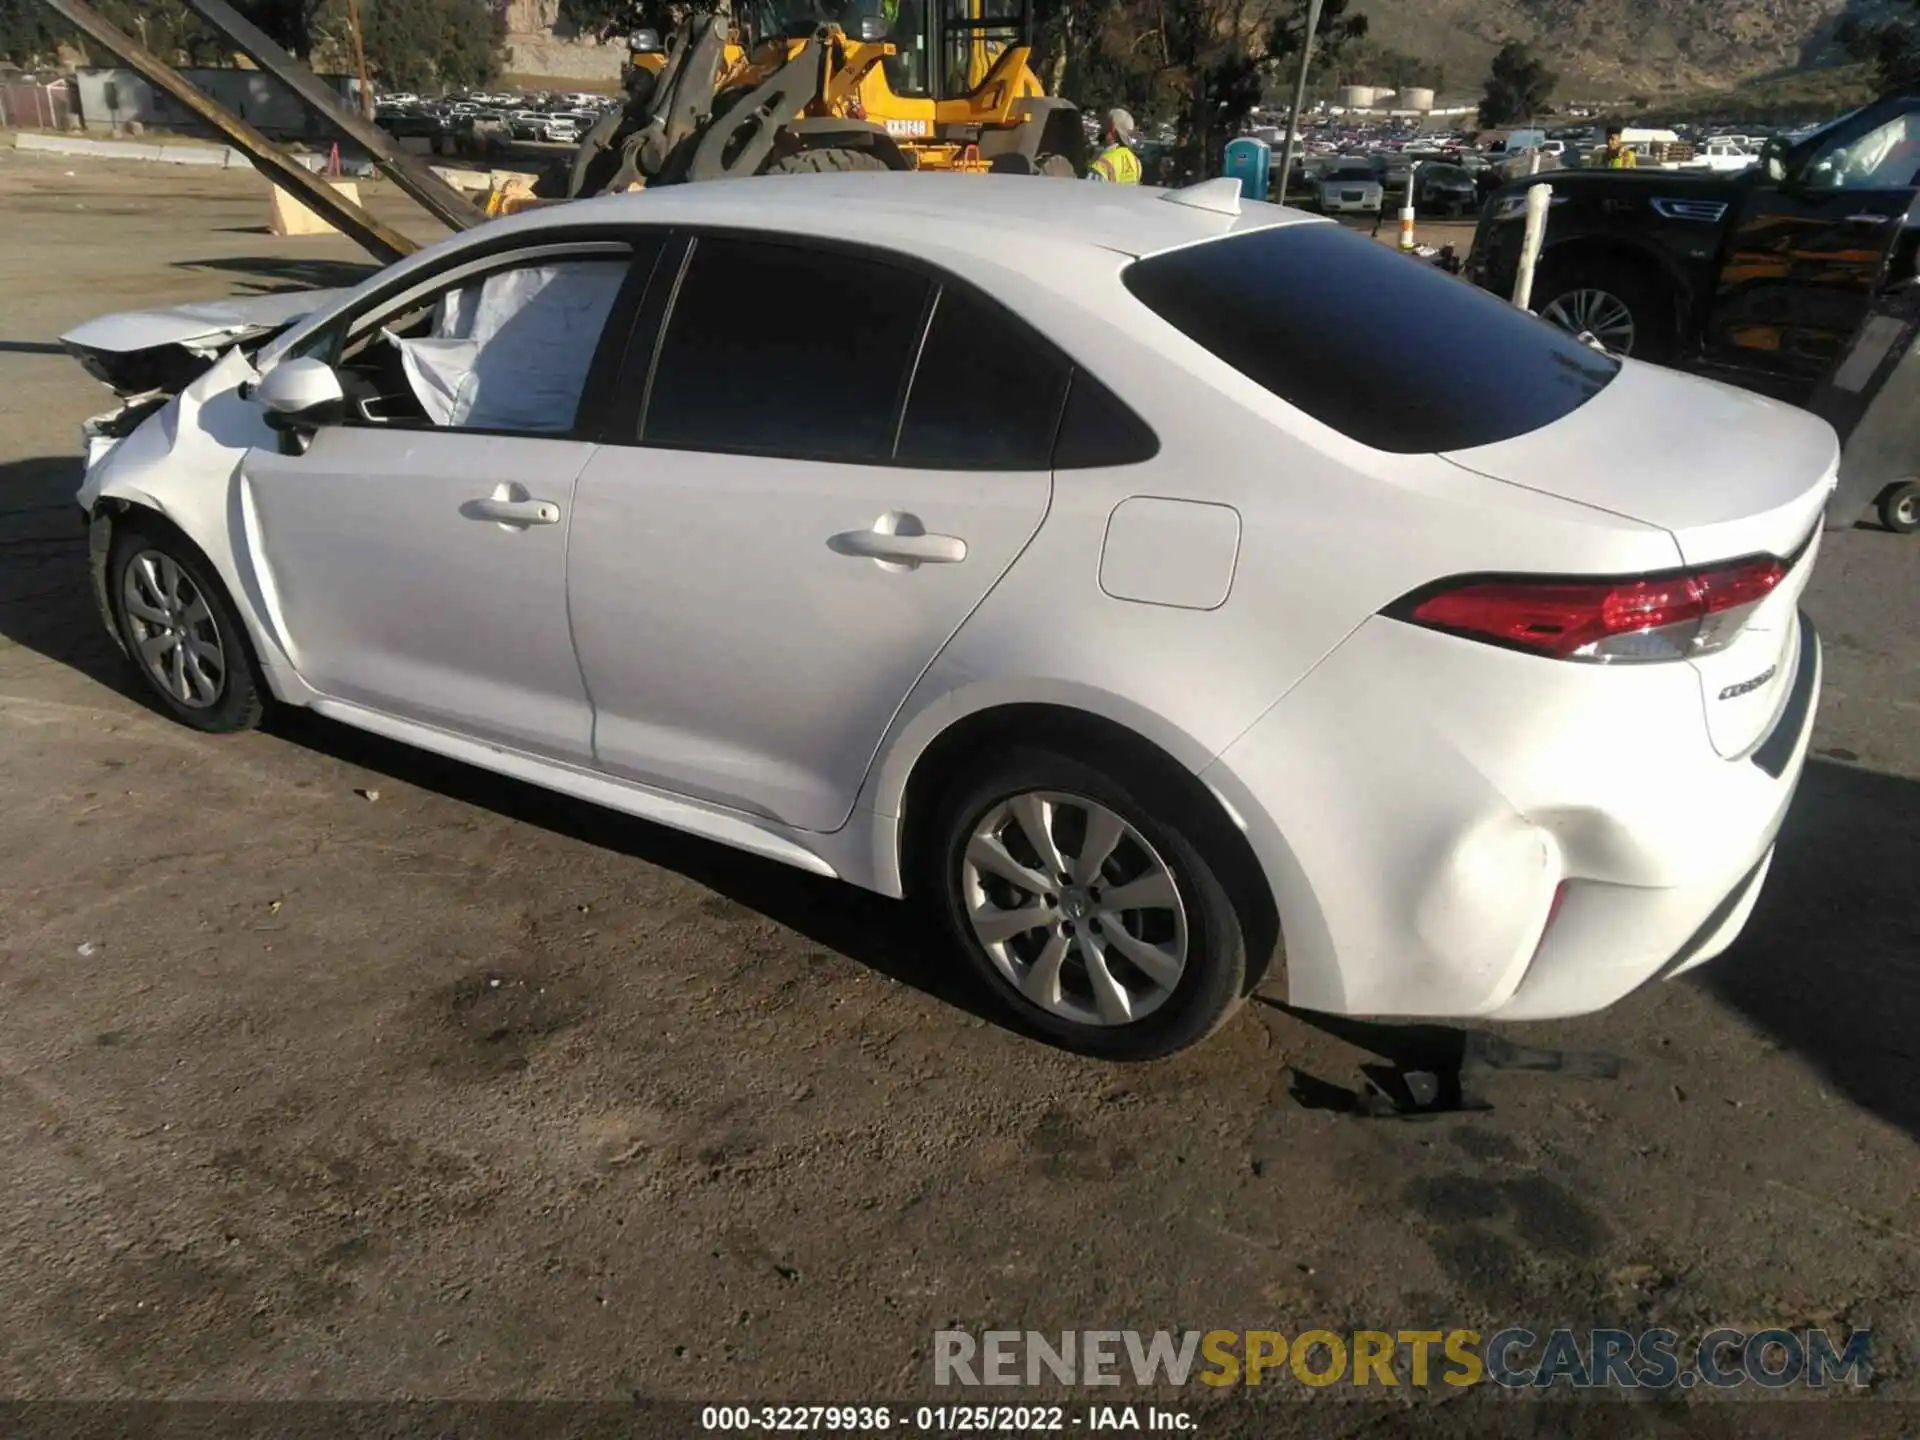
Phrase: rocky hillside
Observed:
(1618, 47)
(541, 46)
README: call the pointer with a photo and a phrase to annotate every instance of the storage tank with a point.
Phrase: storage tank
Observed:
(1356, 97)
(1416, 99)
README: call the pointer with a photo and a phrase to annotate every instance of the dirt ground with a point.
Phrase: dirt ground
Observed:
(471, 1091)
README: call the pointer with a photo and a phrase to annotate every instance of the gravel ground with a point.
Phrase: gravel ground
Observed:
(469, 1091)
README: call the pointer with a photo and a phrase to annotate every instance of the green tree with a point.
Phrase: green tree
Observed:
(1335, 38)
(1518, 86)
(410, 43)
(30, 33)
(423, 44)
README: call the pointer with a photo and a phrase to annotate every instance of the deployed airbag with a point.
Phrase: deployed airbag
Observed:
(512, 352)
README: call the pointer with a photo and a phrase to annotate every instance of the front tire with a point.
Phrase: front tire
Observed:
(1616, 303)
(1088, 906)
(180, 630)
(827, 160)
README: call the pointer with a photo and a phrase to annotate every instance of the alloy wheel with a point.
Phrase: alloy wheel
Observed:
(173, 630)
(1598, 313)
(1074, 908)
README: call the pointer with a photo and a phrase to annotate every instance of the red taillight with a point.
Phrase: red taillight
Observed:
(1651, 618)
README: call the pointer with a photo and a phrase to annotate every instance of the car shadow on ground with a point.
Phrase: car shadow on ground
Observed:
(897, 940)
(1829, 966)
(271, 273)
(46, 606)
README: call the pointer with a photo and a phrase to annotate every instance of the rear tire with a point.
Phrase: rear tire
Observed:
(1899, 507)
(827, 160)
(180, 629)
(1059, 167)
(1095, 974)
(1600, 294)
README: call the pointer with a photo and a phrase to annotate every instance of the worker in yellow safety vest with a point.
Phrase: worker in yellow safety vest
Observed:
(1614, 155)
(1116, 163)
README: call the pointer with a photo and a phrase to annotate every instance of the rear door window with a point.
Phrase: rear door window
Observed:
(776, 349)
(986, 392)
(1387, 351)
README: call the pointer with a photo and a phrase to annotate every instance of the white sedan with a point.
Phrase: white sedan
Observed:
(1172, 592)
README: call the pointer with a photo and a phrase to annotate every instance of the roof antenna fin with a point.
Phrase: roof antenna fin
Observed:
(1221, 196)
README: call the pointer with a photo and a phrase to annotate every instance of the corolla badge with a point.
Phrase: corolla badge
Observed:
(1747, 687)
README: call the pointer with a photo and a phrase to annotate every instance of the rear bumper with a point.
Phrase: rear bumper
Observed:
(1577, 969)
(1422, 805)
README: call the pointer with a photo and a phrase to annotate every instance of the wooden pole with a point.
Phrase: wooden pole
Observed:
(370, 234)
(1299, 98)
(359, 57)
(411, 174)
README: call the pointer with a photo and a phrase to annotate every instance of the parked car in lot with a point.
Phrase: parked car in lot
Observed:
(1445, 189)
(1129, 686)
(1351, 187)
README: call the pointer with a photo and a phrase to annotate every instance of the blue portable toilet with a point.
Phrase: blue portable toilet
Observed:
(1247, 162)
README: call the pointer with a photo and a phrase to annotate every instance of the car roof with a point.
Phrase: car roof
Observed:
(956, 213)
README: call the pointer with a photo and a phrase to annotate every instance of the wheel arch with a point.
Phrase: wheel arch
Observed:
(1096, 738)
(120, 504)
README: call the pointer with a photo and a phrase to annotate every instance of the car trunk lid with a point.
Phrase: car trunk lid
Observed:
(1729, 475)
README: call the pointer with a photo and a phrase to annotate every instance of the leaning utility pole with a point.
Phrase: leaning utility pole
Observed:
(360, 57)
(411, 174)
(269, 159)
(1299, 98)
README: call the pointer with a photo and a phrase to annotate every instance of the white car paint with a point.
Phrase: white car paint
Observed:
(698, 644)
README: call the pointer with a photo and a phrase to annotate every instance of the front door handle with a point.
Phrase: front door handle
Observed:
(1866, 219)
(512, 512)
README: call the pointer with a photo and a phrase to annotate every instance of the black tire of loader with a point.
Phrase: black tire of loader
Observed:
(826, 160)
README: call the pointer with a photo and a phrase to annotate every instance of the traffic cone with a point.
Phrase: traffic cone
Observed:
(333, 160)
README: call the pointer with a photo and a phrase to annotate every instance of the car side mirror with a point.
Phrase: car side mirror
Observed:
(873, 28)
(301, 394)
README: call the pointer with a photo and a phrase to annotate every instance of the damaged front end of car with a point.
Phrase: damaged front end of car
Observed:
(150, 359)
(147, 357)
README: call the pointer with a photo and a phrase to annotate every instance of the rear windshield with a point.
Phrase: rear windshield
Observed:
(1384, 349)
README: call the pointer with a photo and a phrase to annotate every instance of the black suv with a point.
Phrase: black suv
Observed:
(1762, 277)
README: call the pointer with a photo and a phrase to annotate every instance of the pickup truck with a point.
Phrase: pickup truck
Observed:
(1762, 277)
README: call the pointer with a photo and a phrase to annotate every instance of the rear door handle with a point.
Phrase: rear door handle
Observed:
(898, 538)
(512, 512)
(914, 549)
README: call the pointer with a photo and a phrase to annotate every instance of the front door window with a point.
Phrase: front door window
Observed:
(1885, 158)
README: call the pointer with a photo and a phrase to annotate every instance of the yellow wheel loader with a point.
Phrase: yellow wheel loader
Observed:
(863, 85)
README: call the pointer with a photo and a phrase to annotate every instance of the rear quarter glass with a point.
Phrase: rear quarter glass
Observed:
(1386, 350)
